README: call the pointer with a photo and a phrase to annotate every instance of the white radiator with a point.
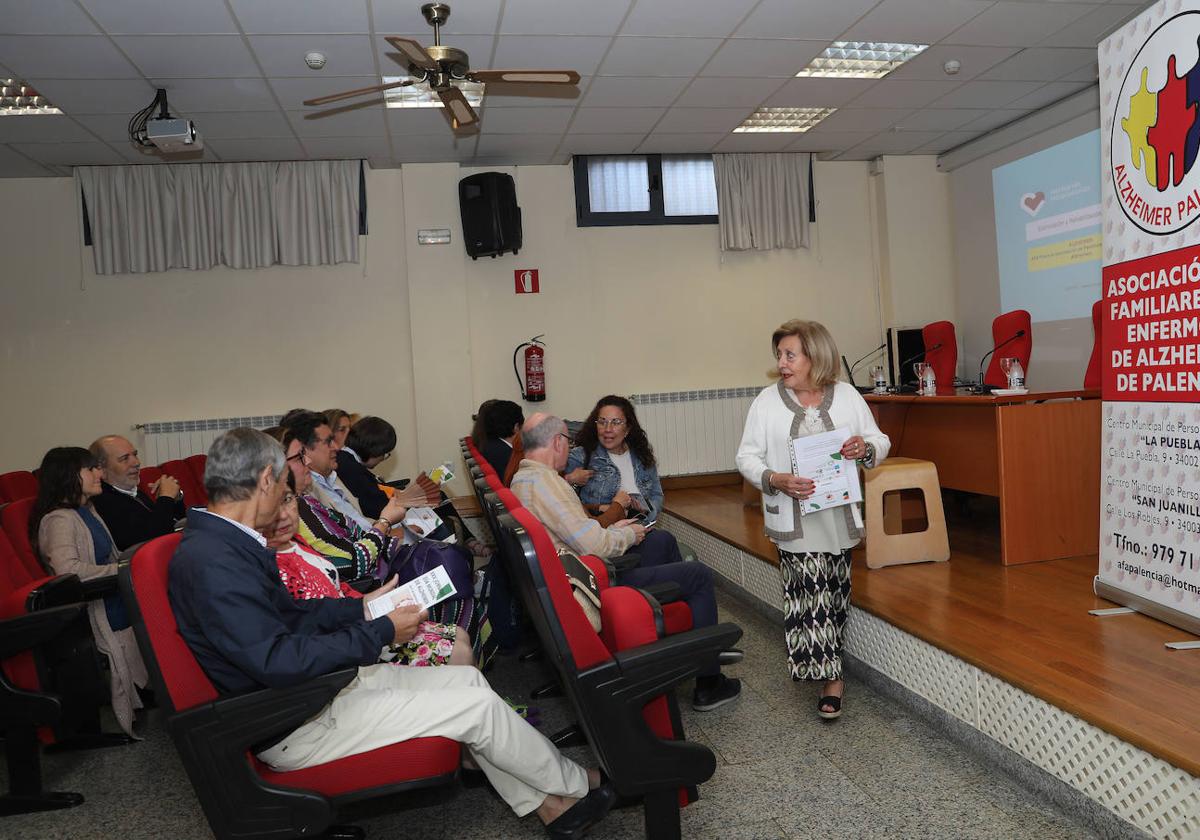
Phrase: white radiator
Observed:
(180, 438)
(695, 431)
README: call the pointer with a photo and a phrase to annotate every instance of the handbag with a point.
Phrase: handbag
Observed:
(414, 560)
(584, 588)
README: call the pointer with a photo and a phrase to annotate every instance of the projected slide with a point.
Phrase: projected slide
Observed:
(1048, 230)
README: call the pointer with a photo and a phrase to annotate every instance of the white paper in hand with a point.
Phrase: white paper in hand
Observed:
(431, 588)
(819, 457)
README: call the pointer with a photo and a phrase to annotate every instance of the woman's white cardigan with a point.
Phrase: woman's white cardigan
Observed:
(773, 420)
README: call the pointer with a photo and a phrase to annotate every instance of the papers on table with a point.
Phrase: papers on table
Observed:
(819, 457)
(431, 588)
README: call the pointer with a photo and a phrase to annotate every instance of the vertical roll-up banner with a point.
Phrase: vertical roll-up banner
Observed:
(1150, 450)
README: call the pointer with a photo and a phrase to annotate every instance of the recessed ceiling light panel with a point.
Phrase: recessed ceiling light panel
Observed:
(17, 99)
(419, 95)
(794, 120)
(861, 59)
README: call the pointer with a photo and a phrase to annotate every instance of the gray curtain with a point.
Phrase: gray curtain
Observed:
(762, 201)
(240, 215)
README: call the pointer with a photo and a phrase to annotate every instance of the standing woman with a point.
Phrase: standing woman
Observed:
(814, 549)
(71, 539)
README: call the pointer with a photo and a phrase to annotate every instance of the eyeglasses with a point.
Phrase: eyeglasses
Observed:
(615, 422)
(385, 457)
(299, 456)
(565, 437)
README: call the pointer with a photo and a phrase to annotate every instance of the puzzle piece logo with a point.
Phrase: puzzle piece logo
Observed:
(1156, 128)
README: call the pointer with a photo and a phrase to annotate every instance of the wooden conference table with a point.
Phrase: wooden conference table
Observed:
(1038, 452)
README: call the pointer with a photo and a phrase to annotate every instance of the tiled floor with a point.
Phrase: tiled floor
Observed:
(782, 773)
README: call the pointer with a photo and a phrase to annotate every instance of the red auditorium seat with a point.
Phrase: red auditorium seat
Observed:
(240, 796)
(196, 466)
(1005, 327)
(146, 479)
(1091, 379)
(14, 520)
(625, 699)
(193, 492)
(19, 484)
(945, 358)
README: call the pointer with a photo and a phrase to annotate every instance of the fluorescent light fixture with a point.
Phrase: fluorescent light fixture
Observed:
(17, 99)
(420, 96)
(861, 59)
(783, 120)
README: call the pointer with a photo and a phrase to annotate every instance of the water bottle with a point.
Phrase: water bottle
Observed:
(1016, 375)
(880, 380)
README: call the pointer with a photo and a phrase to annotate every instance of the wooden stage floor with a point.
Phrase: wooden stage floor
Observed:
(1027, 625)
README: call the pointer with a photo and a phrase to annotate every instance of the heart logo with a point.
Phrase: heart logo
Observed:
(1031, 203)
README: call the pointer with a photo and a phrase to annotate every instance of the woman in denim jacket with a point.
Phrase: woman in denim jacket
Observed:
(615, 463)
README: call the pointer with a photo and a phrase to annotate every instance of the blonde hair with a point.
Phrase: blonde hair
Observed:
(817, 344)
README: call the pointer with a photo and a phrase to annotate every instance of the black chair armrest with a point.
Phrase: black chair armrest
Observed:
(56, 592)
(35, 628)
(624, 562)
(677, 657)
(363, 585)
(664, 592)
(264, 715)
(100, 587)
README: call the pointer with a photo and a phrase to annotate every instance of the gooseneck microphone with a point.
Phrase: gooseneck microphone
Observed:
(904, 365)
(981, 388)
(874, 352)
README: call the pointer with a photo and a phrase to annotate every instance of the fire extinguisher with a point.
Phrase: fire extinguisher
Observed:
(534, 387)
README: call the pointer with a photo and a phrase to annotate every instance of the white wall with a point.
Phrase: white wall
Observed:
(421, 334)
(86, 355)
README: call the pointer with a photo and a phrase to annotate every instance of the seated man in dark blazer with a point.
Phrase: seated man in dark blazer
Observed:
(248, 633)
(132, 516)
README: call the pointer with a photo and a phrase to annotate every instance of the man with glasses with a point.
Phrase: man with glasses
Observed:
(320, 453)
(543, 491)
(131, 515)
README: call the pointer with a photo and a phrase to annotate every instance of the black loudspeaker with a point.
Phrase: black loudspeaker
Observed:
(491, 219)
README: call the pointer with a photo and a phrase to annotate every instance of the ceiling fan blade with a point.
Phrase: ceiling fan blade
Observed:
(540, 77)
(337, 97)
(414, 52)
(458, 110)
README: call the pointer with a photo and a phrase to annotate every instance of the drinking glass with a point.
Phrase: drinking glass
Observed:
(919, 368)
(1006, 365)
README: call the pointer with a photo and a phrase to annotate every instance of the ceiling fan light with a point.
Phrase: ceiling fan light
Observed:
(420, 95)
(860, 59)
(782, 120)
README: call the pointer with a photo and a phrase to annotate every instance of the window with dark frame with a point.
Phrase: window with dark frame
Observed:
(644, 190)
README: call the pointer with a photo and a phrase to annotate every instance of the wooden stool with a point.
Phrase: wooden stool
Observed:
(884, 549)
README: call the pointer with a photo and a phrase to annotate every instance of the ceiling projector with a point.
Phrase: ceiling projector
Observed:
(173, 135)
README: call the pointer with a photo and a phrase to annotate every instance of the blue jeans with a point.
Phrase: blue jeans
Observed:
(695, 581)
(657, 549)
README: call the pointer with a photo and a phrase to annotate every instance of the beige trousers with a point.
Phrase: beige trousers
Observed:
(386, 703)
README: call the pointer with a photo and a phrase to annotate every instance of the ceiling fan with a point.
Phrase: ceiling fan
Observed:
(441, 66)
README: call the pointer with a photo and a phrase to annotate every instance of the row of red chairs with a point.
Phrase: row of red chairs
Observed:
(622, 680)
(189, 472)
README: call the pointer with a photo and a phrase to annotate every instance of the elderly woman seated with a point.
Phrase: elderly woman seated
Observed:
(309, 574)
